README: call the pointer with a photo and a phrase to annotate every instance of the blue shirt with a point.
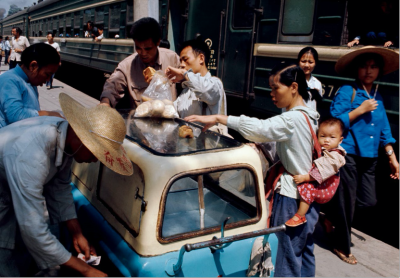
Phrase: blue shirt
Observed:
(368, 132)
(18, 98)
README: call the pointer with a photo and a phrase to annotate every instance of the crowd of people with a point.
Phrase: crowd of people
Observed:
(331, 161)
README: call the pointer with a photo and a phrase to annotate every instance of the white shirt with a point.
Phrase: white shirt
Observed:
(198, 91)
(55, 45)
(313, 83)
(20, 43)
(293, 138)
(34, 169)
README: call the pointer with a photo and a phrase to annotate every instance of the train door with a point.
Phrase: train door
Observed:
(236, 49)
(227, 27)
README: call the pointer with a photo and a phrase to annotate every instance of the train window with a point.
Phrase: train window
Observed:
(298, 17)
(61, 24)
(198, 204)
(99, 15)
(129, 11)
(115, 14)
(87, 15)
(77, 19)
(68, 20)
(243, 14)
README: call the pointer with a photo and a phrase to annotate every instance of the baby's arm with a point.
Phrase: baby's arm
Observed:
(303, 178)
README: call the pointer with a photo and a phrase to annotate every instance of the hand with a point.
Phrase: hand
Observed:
(175, 75)
(83, 268)
(105, 102)
(81, 245)
(353, 42)
(148, 78)
(369, 105)
(209, 121)
(394, 166)
(387, 44)
(18, 50)
(93, 272)
(299, 178)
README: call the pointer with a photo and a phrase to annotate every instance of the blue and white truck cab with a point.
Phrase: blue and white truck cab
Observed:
(193, 206)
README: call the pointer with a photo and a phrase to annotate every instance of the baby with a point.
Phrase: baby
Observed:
(321, 182)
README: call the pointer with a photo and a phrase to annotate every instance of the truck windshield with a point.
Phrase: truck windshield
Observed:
(161, 136)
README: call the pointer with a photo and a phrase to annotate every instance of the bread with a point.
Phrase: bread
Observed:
(167, 102)
(148, 72)
(158, 108)
(169, 112)
(185, 132)
(145, 98)
(144, 110)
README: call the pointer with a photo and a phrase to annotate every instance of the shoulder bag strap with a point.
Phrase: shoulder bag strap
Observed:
(317, 147)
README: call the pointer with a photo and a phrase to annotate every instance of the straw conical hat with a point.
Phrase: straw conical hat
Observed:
(102, 130)
(390, 59)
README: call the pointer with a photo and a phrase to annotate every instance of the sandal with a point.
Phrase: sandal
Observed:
(294, 223)
(350, 259)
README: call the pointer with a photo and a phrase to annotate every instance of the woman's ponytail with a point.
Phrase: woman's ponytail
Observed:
(290, 74)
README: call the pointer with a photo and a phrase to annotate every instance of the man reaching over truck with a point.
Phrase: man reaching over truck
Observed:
(35, 167)
(202, 93)
(128, 80)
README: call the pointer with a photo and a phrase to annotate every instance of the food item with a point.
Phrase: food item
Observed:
(144, 110)
(148, 72)
(185, 132)
(169, 112)
(168, 102)
(158, 108)
(145, 98)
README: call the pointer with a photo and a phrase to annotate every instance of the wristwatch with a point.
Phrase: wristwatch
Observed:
(389, 152)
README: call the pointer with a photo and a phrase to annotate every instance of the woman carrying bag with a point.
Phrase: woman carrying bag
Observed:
(360, 107)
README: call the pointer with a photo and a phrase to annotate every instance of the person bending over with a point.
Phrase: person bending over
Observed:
(321, 182)
(35, 168)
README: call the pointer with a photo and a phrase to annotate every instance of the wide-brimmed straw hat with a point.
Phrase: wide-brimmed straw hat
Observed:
(390, 59)
(102, 130)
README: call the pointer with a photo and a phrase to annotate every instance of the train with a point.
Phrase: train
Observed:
(247, 38)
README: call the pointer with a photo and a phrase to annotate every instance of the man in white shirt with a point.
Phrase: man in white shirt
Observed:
(50, 41)
(18, 45)
(203, 94)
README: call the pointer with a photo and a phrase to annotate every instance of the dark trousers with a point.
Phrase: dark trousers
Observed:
(7, 53)
(295, 255)
(13, 64)
(357, 187)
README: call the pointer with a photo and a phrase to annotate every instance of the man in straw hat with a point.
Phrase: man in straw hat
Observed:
(360, 107)
(35, 166)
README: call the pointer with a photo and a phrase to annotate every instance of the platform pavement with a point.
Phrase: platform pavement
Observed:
(375, 258)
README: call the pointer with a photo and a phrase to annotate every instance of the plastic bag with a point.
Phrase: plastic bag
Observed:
(156, 109)
(159, 88)
(157, 99)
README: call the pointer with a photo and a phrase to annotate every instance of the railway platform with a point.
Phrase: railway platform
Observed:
(375, 258)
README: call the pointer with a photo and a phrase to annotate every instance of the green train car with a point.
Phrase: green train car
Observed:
(246, 37)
